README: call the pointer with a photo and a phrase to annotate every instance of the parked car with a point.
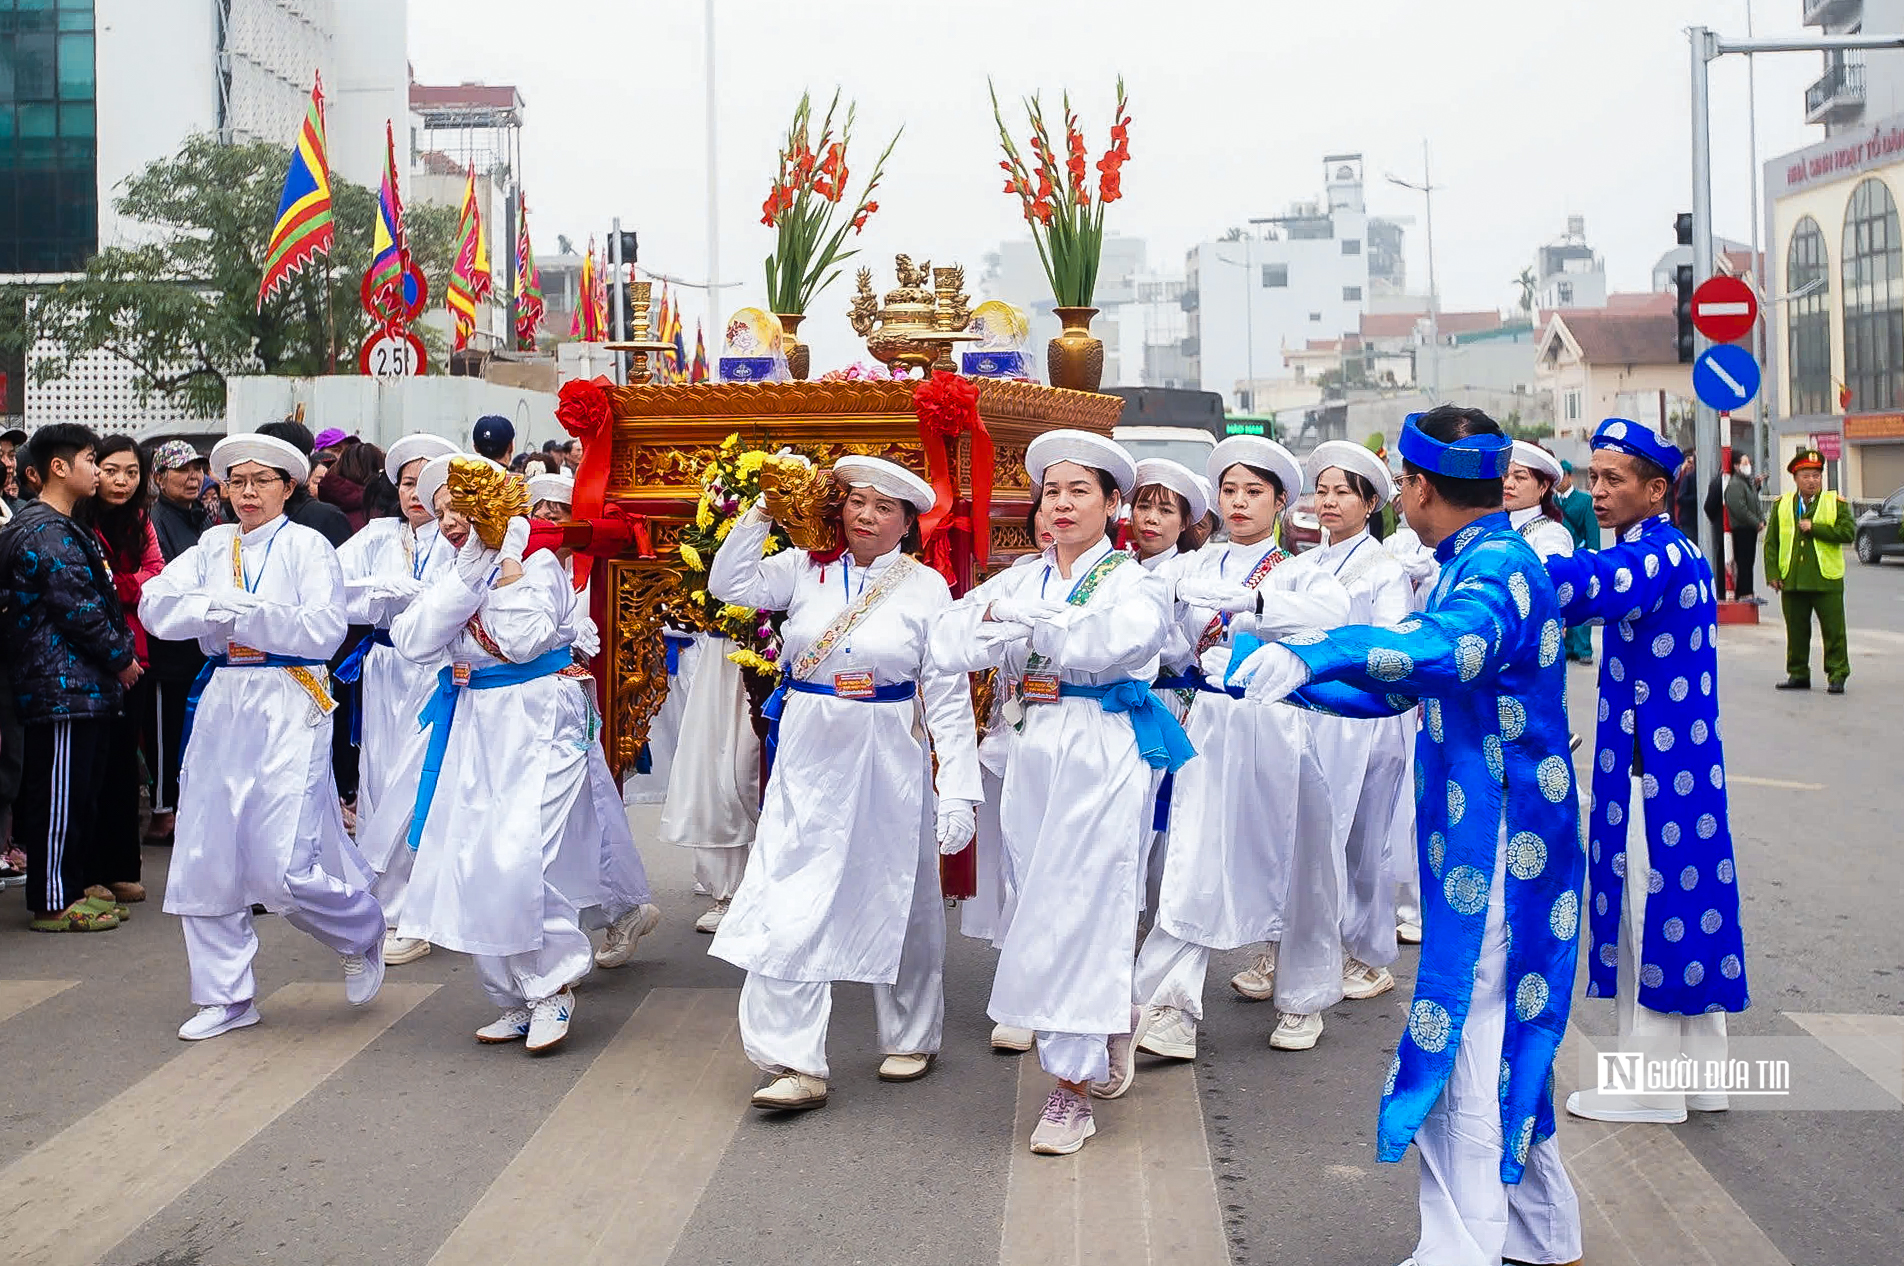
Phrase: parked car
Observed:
(1878, 535)
(1302, 531)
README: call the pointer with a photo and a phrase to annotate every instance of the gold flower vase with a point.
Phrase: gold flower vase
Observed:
(1074, 360)
(799, 359)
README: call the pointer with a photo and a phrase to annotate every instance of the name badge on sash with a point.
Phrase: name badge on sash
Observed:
(239, 653)
(1040, 688)
(459, 673)
(853, 685)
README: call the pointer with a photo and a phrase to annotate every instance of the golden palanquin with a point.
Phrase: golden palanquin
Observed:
(665, 436)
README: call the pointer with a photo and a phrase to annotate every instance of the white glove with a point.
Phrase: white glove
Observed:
(1023, 610)
(1217, 595)
(1002, 632)
(1215, 662)
(1272, 674)
(588, 638)
(398, 588)
(229, 604)
(515, 539)
(472, 561)
(958, 823)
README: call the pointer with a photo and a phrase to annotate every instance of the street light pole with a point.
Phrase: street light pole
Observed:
(1427, 190)
(1248, 265)
(714, 318)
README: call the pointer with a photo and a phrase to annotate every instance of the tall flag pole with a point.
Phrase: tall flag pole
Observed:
(529, 301)
(699, 372)
(304, 229)
(390, 248)
(678, 336)
(470, 280)
(590, 321)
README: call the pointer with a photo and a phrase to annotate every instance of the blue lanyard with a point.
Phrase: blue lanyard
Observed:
(420, 555)
(251, 581)
(1075, 585)
(1351, 554)
(846, 588)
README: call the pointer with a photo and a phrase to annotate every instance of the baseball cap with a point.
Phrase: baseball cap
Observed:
(174, 455)
(330, 437)
(492, 435)
(16, 435)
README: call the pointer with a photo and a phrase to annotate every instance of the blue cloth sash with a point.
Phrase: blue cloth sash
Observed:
(351, 671)
(1160, 739)
(672, 643)
(776, 702)
(216, 662)
(440, 711)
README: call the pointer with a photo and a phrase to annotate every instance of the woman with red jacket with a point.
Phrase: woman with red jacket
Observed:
(124, 527)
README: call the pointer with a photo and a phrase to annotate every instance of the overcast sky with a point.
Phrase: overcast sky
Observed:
(1534, 110)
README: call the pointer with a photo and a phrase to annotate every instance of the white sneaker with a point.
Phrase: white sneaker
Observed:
(1122, 1048)
(549, 1019)
(213, 1020)
(363, 975)
(1620, 1110)
(1408, 933)
(711, 921)
(1063, 1125)
(1168, 1032)
(790, 1092)
(1359, 980)
(511, 1026)
(1006, 1037)
(618, 942)
(398, 950)
(906, 1067)
(1257, 982)
(1296, 1032)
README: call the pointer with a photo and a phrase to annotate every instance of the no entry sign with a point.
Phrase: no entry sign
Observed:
(1724, 309)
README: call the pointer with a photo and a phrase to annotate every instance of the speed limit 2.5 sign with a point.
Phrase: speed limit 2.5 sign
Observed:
(392, 353)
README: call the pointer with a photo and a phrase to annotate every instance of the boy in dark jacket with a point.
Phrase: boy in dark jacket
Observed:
(72, 656)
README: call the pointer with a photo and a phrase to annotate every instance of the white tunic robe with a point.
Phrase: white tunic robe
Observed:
(1249, 842)
(516, 762)
(1365, 762)
(1074, 791)
(713, 798)
(829, 886)
(385, 567)
(255, 787)
(664, 731)
(1546, 536)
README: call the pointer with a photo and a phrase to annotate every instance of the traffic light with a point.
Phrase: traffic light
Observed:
(1682, 311)
(629, 246)
(1682, 227)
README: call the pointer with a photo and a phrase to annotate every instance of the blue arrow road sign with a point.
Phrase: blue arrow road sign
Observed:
(1725, 377)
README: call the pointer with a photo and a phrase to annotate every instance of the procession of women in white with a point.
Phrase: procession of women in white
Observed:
(1152, 782)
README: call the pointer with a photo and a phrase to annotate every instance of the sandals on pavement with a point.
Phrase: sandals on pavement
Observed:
(102, 900)
(78, 917)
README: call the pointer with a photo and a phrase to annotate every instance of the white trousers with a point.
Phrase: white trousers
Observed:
(783, 1022)
(390, 887)
(564, 957)
(1074, 1057)
(1469, 1217)
(219, 949)
(1662, 1034)
(1170, 973)
(719, 870)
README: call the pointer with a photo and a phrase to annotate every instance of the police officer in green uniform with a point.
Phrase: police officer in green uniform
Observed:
(1804, 560)
(1576, 511)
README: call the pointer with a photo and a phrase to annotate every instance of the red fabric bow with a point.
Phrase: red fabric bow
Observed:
(947, 407)
(584, 413)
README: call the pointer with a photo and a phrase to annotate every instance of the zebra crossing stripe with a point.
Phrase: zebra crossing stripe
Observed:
(17, 995)
(72, 1198)
(1142, 1191)
(615, 1171)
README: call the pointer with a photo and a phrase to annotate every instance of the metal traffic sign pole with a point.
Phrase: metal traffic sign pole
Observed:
(1705, 47)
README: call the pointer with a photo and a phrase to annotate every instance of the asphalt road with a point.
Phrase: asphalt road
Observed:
(330, 1136)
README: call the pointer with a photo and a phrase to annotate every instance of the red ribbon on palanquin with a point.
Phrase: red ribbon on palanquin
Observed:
(947, 407)
(584, 413)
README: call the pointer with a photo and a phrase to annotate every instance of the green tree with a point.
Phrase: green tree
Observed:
(179, 303)
(1529, 285)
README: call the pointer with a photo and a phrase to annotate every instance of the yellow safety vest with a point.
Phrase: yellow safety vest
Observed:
(1830, 553)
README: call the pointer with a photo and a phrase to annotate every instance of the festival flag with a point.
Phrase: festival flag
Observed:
(304, 228)
(699, 372)
(529, 303)
(470, 280)
(590, 321)
(390, 250)
(678, 336)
